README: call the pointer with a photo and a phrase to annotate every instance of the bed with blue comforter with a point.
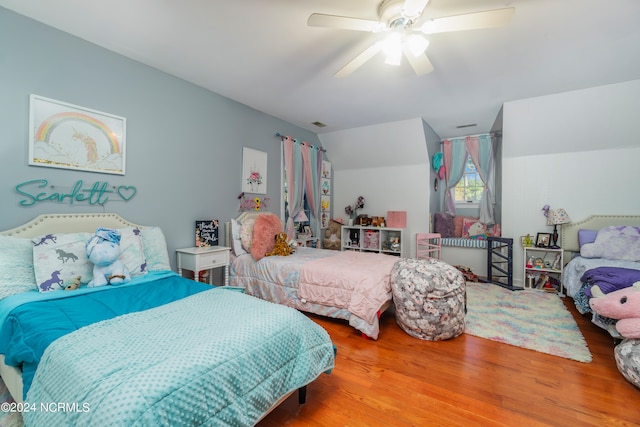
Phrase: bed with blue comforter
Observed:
(161, 350)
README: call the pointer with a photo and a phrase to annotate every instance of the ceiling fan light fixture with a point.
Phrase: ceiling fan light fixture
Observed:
(401, 20)
(417, 44)
(392, 48)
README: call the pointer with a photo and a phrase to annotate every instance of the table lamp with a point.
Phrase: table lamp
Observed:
(557, 217)
(300, 218)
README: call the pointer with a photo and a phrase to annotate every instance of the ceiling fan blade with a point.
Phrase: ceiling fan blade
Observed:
(469, 21)
(413, 8)
(343, 22)
(420, 64)
(359, 60)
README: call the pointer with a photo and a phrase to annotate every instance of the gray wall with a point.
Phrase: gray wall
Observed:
(184, 143)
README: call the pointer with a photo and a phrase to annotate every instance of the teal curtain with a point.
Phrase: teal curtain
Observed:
(480, 149)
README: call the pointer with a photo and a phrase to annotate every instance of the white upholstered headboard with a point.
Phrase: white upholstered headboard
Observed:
(68, 223)
(594, 222)
(242, 217)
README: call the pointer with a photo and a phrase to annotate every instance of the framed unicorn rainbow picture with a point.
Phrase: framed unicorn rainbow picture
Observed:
(67, 136)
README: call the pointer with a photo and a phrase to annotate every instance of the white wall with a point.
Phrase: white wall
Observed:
(577, 150)
(389, 166)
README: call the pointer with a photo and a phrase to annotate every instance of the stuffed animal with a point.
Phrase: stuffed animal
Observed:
(332, 235)
(73, 285)
(623, 304)
(282, 247)
(103, 250)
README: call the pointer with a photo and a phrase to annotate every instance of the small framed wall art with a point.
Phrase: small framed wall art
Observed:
(68, 136)
(254, 171)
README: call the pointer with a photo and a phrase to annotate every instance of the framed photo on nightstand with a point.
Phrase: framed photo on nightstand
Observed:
(543, 240)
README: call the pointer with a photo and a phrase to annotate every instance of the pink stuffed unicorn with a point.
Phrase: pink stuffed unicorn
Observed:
(623, 304)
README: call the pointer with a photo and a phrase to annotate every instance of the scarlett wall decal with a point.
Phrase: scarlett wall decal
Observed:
(39, 190)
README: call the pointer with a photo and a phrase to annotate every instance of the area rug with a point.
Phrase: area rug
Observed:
(527, 318)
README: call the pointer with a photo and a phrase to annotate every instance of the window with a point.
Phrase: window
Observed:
(469, 189)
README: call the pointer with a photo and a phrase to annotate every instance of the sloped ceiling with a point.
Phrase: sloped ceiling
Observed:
(263, 54)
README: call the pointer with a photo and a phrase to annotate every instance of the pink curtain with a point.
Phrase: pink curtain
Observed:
(294, 181)
(455, 153)
(480, 149)
(303, 166)
(455, 159)
(312, 167)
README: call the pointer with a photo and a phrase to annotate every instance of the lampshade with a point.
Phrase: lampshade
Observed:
(557, 217)
(301, 217)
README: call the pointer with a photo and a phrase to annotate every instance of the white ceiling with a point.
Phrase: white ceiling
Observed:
(261, 53)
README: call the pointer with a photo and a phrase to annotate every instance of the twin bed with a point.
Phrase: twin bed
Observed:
(347, 285)
(603, 250)
(160, 350)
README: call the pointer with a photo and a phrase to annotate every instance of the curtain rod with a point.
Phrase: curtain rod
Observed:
(491, 134)
(279, 135)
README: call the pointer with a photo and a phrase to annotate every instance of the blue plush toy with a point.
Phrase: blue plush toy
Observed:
(103, 250)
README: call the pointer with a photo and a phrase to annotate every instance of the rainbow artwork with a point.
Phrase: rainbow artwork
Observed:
(71, 137)
(46, 128)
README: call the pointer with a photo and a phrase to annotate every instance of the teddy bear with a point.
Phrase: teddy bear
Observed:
(332, 235)
(74, 285)
(281, 248)
(623, 305)
(103, 250)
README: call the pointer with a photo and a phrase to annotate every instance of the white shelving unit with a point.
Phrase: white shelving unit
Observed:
(542, 265)
(373, 239)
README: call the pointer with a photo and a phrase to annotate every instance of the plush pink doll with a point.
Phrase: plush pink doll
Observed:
(623, 304)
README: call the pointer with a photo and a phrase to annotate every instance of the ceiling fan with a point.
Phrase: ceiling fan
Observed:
(405, 28)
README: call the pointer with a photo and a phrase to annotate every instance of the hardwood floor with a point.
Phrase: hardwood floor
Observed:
(467, 381)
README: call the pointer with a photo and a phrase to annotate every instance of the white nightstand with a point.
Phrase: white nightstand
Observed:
(206, 258)
(307, 241)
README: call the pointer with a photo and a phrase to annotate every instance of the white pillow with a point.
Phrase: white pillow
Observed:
(132, 251)
(58, 259)
(155, 249)
(16, 266)
(614, 242)
(236, 242)
(246, 233)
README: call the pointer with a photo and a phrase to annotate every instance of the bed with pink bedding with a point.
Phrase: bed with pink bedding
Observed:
(354, 286)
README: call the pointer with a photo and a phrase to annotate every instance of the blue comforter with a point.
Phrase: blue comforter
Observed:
(216, 357)
(38, 319)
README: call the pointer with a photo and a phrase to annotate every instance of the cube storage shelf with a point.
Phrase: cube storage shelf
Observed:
(543, 268)
(373, 239)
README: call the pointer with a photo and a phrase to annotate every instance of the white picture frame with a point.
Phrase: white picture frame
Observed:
(67, 136)
(254, 171)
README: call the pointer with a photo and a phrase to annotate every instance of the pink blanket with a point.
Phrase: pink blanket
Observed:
(356, 281)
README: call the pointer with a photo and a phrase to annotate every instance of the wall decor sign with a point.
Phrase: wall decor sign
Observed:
(252, 203)
(67, 136)
(207, 233)
(99, 193)
(254, 171)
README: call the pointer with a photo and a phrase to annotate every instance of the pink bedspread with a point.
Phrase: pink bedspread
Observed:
(356, 281)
